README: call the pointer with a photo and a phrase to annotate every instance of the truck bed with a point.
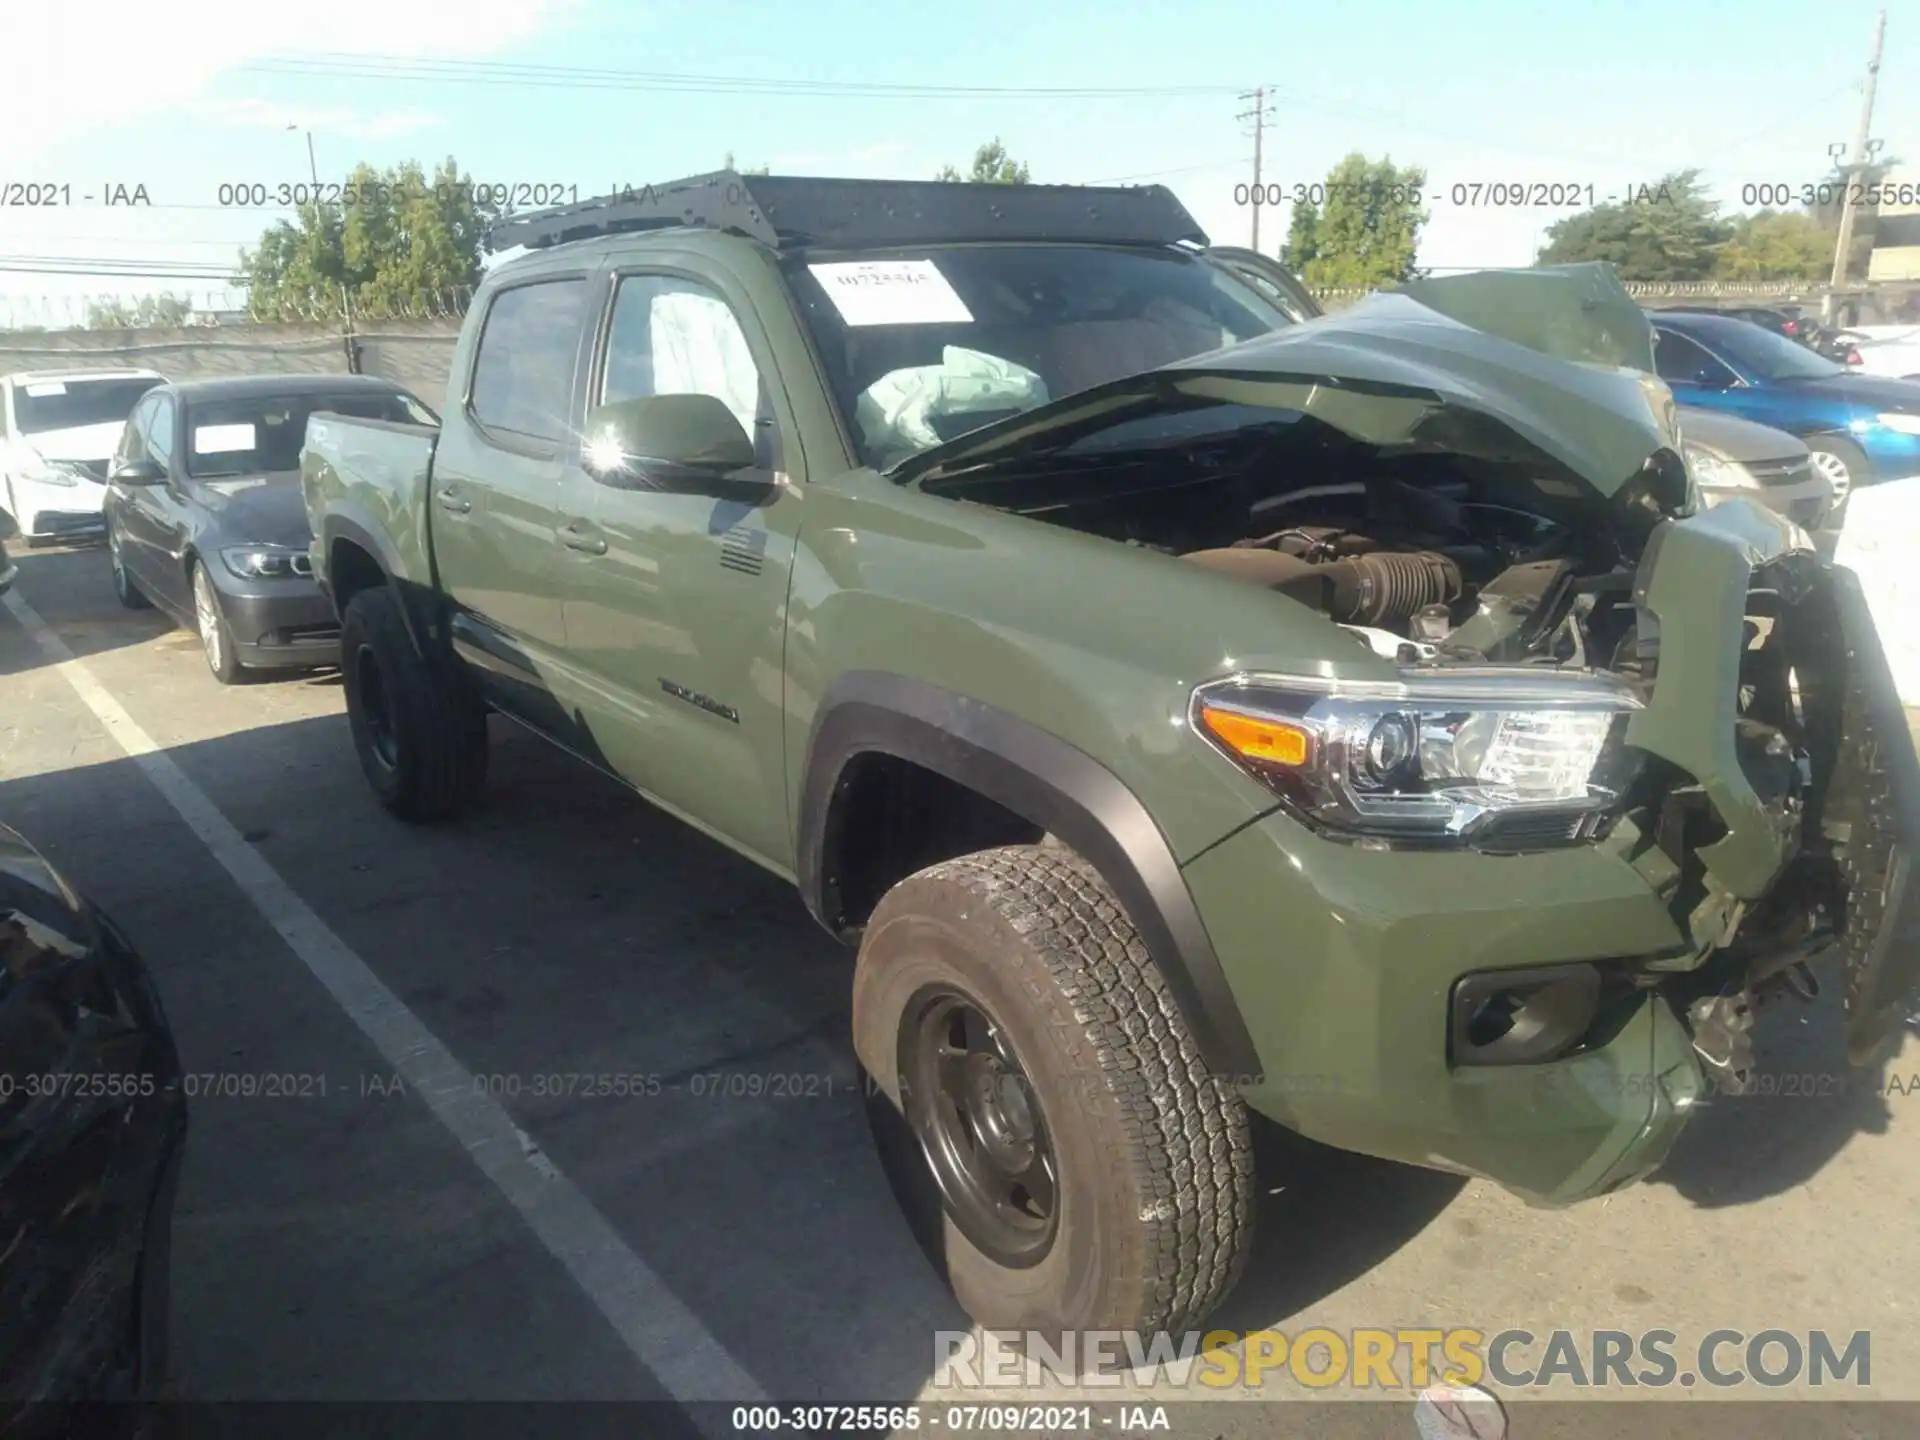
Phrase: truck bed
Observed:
(370, 477)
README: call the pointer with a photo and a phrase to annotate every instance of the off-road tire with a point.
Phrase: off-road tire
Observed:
(437, 724)
(125, 588)
(1867, 868)
(1154, 1157)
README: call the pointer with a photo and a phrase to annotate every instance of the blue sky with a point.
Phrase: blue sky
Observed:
(185, 97)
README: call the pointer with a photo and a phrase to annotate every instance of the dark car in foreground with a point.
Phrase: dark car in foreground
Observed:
(1860, 428)
(1737, 459)
(93, 1122)
(204, 516)
(1359, 725)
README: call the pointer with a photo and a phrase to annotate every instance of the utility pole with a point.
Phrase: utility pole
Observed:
(1844, 243)
(313, 170)
(1259, 114)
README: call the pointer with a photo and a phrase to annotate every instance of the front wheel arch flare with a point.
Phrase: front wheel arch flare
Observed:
(1042, 779)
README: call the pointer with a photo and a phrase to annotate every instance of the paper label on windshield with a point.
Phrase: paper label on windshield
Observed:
(222, 439)
(46, 389)
(891, 292)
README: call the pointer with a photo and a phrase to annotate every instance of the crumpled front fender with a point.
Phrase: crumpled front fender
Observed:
(1692, 582)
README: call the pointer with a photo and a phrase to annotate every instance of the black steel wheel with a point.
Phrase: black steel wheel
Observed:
(980, 1126)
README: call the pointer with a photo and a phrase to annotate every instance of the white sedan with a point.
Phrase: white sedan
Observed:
(1890, 350)
(58, 430)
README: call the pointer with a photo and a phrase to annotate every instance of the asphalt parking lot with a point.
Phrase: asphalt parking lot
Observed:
(342, 1237)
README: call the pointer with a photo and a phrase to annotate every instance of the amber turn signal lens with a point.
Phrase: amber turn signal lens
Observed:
(1272, 742)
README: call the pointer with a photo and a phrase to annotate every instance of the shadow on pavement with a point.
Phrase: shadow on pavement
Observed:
(341, 1246)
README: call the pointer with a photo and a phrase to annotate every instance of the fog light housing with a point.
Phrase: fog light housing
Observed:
(1522, 1017)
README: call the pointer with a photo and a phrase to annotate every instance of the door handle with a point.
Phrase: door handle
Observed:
(452, 502)
(576, 539)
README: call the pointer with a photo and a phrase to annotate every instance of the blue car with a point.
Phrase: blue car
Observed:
(1860, 428)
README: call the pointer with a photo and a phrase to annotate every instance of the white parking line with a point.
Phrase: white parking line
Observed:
(663, 1334)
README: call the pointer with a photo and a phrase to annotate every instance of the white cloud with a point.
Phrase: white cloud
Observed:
(158, 57)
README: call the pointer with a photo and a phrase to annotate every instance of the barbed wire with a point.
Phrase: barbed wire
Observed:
(218, 308)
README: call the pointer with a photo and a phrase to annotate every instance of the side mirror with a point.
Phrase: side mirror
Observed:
(138, 472)
(683, 444)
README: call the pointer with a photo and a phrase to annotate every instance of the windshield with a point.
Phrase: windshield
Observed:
(257, 434)
(1770, 356)
(923, 346)
(43, 405)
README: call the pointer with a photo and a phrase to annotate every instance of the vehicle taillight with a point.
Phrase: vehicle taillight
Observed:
(1853, 357)
(1792, 327)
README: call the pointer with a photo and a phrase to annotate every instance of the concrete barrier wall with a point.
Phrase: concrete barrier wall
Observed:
(414, 353)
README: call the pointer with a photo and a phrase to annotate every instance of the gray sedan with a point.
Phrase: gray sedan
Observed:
(204, 516)
(1731, 457)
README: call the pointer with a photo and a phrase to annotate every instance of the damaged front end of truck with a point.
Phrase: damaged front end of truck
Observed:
(1481, 481)
(1782, 833)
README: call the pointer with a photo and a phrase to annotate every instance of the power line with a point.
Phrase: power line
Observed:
(62, 265)
(493, 72)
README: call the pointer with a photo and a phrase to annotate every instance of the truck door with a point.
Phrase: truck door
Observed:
(495, 493)
(676, 603)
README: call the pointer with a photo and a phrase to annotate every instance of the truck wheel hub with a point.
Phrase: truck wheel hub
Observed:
(972, 1109)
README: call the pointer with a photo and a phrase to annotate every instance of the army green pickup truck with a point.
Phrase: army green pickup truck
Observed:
(1191, 709)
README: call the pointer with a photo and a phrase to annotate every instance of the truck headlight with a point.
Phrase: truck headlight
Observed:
(1905, 424)
(266, 562)
(1494, 758)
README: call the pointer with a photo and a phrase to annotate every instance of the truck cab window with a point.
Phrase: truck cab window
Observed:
(523, 374)
(675, 337)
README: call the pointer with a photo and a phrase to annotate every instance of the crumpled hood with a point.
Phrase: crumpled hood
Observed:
(258, 509)
(1550, 365)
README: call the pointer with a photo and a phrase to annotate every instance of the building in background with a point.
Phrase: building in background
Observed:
(1896, 232)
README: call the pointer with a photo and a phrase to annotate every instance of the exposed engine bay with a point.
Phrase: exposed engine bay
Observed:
(1422, 559)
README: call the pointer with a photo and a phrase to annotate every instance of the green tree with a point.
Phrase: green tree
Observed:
(991, 166)
(401, 243)
(148, 312)
(1669, 230)
(1776, 245)
(1302, 245)
(1366, 232)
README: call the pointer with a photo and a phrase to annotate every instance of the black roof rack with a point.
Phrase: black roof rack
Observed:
(792, 210)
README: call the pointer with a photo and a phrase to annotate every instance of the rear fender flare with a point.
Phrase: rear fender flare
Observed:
(419, 604)
(1043, 779)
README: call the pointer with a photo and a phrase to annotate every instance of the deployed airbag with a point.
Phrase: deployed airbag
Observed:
(897, 411)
